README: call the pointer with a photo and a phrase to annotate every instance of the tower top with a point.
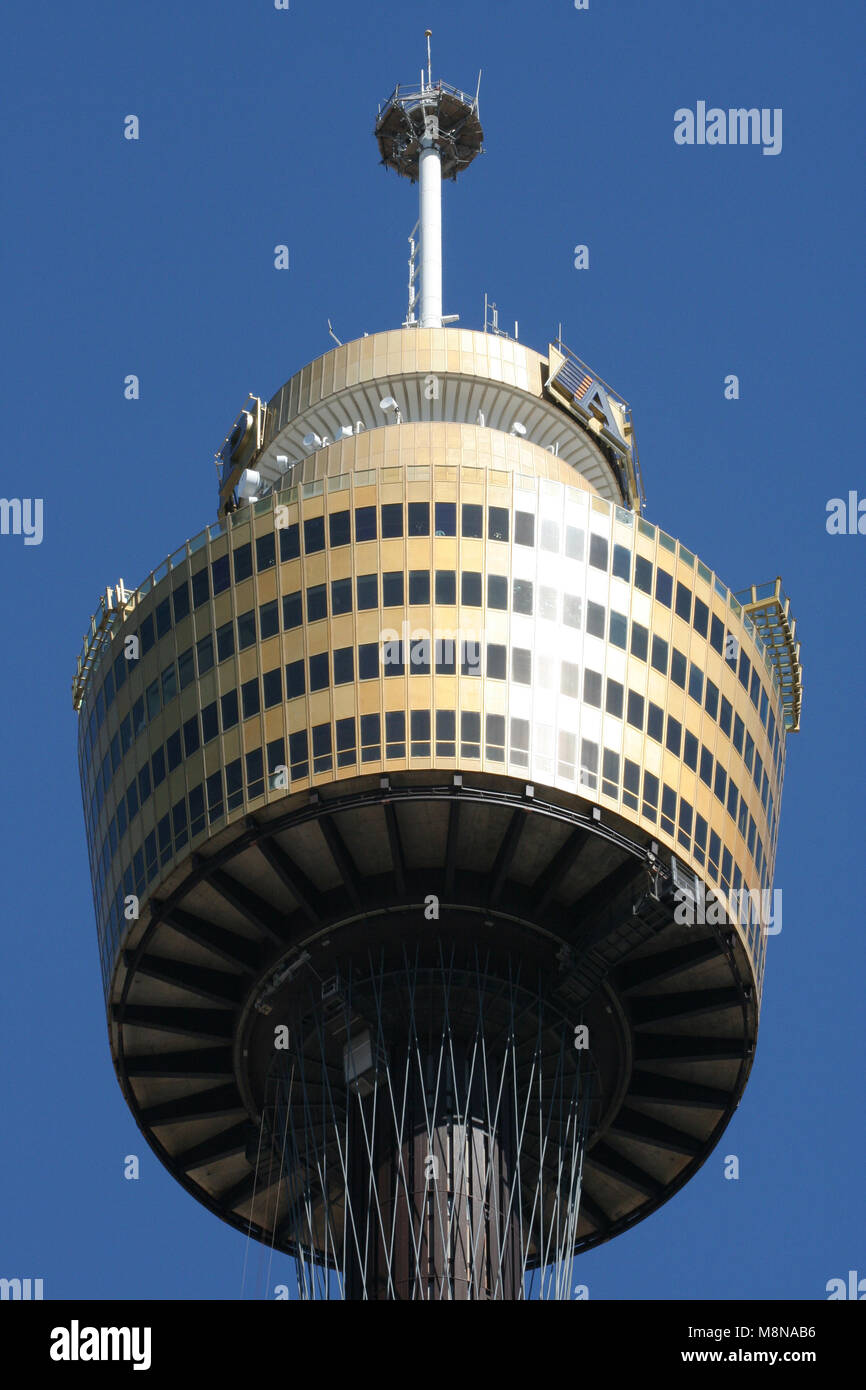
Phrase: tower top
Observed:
(439, 111)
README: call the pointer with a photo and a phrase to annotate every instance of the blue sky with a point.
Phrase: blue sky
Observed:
(155, 257)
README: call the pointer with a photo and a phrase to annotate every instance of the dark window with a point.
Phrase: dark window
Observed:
(711, 699)
(446, 586)
(173, 750)
(720, 782)
(643, 574)
(132, 799)
(472, 520)
(717, 635)
(180, 600)
(622, 562)
(594, 619)
(214, 795)
(618, 629)
(365, 523)
(319, 671)
(655, 721)
(341, 596)
(290, 543)
(446, 731)
(229, 709)
(225, 641)
(592, 688)
(650, 795)
(368, 661)
(664, 587)
(696, 682)
(524, 528)
(314, 534)
(367, 591)
(395, 734)
(147, 638)
(739, 730)
(144, 783)
(419, 733)
(470, 734)
(598, 551)
(204, 652)
(339, 529)
(419, 518)
(295, 680)
(255, 773)
(393, 657)
(272, 687)
(265, 552)
(745, 668)
(495, 662)
(162, 613)
(344, 665)
(725, 716)
(419, 586)
(371, 738)
(446, 656)
(495, 737)
(445, 518)
(614, 698)
(317, 602)
(220, 574)
(200, 588)
(190, 736)
(470, 588)
(610, 772)
(346, 751)
(522, 596)
(497, 591)
(497, 523)
(298, 754)
(157, 764)
(322, 759)
(470, 658)
(684, 602)
(631, 783)
(419, 656)
(269, 619)
(392, 520)
(635, 709)
(186, 668)
(639, 641)
(120, 671)
(755, 689)
(733, 798)
(674, 735)
(701, 617)
(706, 773)
(242, 561)
(392, 589)
(690, 751)
(660, 655)
(234, 784)
(293, 613)
(246, 630)
(678, 668)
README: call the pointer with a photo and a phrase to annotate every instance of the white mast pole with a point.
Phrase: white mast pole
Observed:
(430, 216)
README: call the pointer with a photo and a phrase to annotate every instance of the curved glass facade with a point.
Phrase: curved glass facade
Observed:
(434, 596)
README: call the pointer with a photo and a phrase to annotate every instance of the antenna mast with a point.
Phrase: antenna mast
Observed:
(427, 134)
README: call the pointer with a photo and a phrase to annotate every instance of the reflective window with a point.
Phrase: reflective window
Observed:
(272, 687)
(314, 534)
(269, 619)
(472, 521)
(639, 641)
(419, 518)
(711, 699)
(592, 688)
(339, 529)
(445, 518)
(296, 679)
(220, 574)
(618, 633)
(594, 619)
(574, 542)
(204, 653)
(572, 610)
(317, 602)
(497, 591)
(180, 600)
(614, 697)
(392, 589)
(229, 709)
(367, 586)
(598, 551)
(365, 523)
(319, 664)
(470, 588)
(446, 586)
(290, 544)
(265, 552)
(392, 523)
(524, 528)
(701, 617)
(497, 523)
(395, 734)
(655, 721)
(622, 562)
(341, 599)
(242, 561)
(419, 586)
(292, 612)
(635, 709)
(664, 587)
(246, 630)
(643, 574)
(344, 665)
(495, 662)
